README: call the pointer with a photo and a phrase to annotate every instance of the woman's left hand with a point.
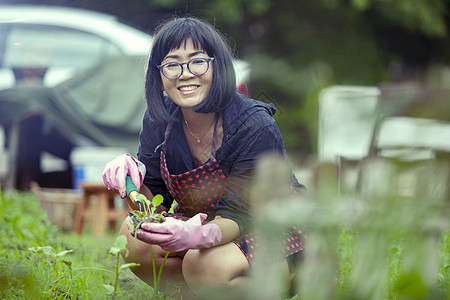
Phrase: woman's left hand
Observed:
(174, 235)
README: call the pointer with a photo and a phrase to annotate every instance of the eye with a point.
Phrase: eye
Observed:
(172, 65)
(197, 61)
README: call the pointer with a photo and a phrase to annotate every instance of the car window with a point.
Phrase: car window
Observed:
(54, 47)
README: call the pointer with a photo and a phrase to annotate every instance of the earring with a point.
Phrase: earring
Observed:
(165, 94)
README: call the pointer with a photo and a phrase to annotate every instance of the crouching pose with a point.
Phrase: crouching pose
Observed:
(199, 143)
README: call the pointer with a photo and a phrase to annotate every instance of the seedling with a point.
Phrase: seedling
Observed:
(119, 245)
(147, 214)
(54, 259)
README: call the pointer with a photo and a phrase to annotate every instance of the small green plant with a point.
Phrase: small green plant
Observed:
(148, 215)
(54, 259)
(119, 245)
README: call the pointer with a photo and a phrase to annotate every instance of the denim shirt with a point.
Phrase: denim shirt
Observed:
(249, 130)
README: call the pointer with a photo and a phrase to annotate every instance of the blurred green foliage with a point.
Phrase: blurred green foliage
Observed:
(298, 47)
(373, 245)
(24, 274)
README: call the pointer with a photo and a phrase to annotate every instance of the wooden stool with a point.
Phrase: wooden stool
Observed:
(103, 211)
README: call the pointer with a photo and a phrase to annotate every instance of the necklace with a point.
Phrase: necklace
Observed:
(190, 131)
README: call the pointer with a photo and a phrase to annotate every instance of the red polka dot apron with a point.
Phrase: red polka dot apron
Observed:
(200, 189)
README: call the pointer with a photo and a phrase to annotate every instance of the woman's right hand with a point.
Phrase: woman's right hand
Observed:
(116, 171)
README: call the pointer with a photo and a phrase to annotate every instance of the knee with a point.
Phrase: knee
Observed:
(202, 265)
(198, 271)
(213, 269)
(194, 266)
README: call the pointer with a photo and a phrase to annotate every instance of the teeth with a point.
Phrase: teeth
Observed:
(188, 88)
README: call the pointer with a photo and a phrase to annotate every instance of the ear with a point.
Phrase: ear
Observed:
(163, 89)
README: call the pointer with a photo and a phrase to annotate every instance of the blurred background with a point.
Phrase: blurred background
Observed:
(331, 67)
(362, 90)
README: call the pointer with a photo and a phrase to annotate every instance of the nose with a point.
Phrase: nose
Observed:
(185, 70)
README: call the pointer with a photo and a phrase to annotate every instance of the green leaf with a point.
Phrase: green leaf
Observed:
(119, 290)
(114, 250)
(157, 200)
(172, 206)
(119, 245)
(121, 242)
(411, 285)
(143, 199)
(138, 214)
(129, 265)
(47, 250)
(109, 289)
(62, 253)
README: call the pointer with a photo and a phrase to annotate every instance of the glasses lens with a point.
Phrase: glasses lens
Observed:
(172, 70)
(198, 66)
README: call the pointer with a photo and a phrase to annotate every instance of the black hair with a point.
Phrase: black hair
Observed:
(172, 35)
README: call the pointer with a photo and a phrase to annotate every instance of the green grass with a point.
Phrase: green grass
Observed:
(361, 258)
(28, 275)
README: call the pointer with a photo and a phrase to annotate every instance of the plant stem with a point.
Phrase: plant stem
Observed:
(53, 281)
(160, 270)
(117, 278)
(155, 287)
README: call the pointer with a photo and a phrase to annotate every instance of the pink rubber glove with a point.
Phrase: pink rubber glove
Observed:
(174, 235)
(116, 171)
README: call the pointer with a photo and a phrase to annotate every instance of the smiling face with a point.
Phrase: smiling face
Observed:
(188, 90)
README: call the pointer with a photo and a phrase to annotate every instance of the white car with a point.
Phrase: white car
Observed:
(50, 44)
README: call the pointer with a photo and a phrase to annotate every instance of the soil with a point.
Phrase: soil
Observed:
(156, 218)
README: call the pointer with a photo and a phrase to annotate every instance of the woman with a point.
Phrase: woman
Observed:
(199, 144)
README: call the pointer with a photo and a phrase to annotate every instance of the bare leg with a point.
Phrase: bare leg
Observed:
(223, 268)
(219, 268)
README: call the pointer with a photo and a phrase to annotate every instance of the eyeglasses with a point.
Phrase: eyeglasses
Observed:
(197, 66)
